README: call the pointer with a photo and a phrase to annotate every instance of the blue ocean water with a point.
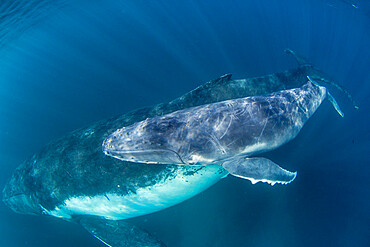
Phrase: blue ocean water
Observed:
(67, 64)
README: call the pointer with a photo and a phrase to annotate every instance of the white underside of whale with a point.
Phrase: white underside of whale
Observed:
(145, 201)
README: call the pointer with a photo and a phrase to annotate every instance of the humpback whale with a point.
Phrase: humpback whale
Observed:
(73, 180)
(227, 133)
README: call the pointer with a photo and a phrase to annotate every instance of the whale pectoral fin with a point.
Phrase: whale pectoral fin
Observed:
(258, 170)
(118, 233)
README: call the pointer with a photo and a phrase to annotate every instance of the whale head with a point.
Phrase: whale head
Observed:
(18, 196)
(148, 141)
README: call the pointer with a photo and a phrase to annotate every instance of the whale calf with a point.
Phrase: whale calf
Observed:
(227, 133)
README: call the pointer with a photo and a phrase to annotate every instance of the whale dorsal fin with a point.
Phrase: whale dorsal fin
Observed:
(218, 81)
(118, 233)
(222, 79)
(258, 170)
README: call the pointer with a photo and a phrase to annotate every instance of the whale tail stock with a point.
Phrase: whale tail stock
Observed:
(330, 98)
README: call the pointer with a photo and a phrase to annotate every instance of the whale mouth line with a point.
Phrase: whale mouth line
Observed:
(6, 199)
(169, 156)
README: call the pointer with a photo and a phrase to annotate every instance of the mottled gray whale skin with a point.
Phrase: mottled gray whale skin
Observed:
(72, 179)
(221, 133)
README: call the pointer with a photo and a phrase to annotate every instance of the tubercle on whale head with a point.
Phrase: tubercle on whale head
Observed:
(124, 140)
(136, 143)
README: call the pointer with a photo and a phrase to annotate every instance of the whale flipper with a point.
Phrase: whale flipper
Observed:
(258, 170)
(119, 233)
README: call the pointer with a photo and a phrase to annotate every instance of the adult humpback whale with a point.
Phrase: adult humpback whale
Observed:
(72, 179)
(227, 133)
